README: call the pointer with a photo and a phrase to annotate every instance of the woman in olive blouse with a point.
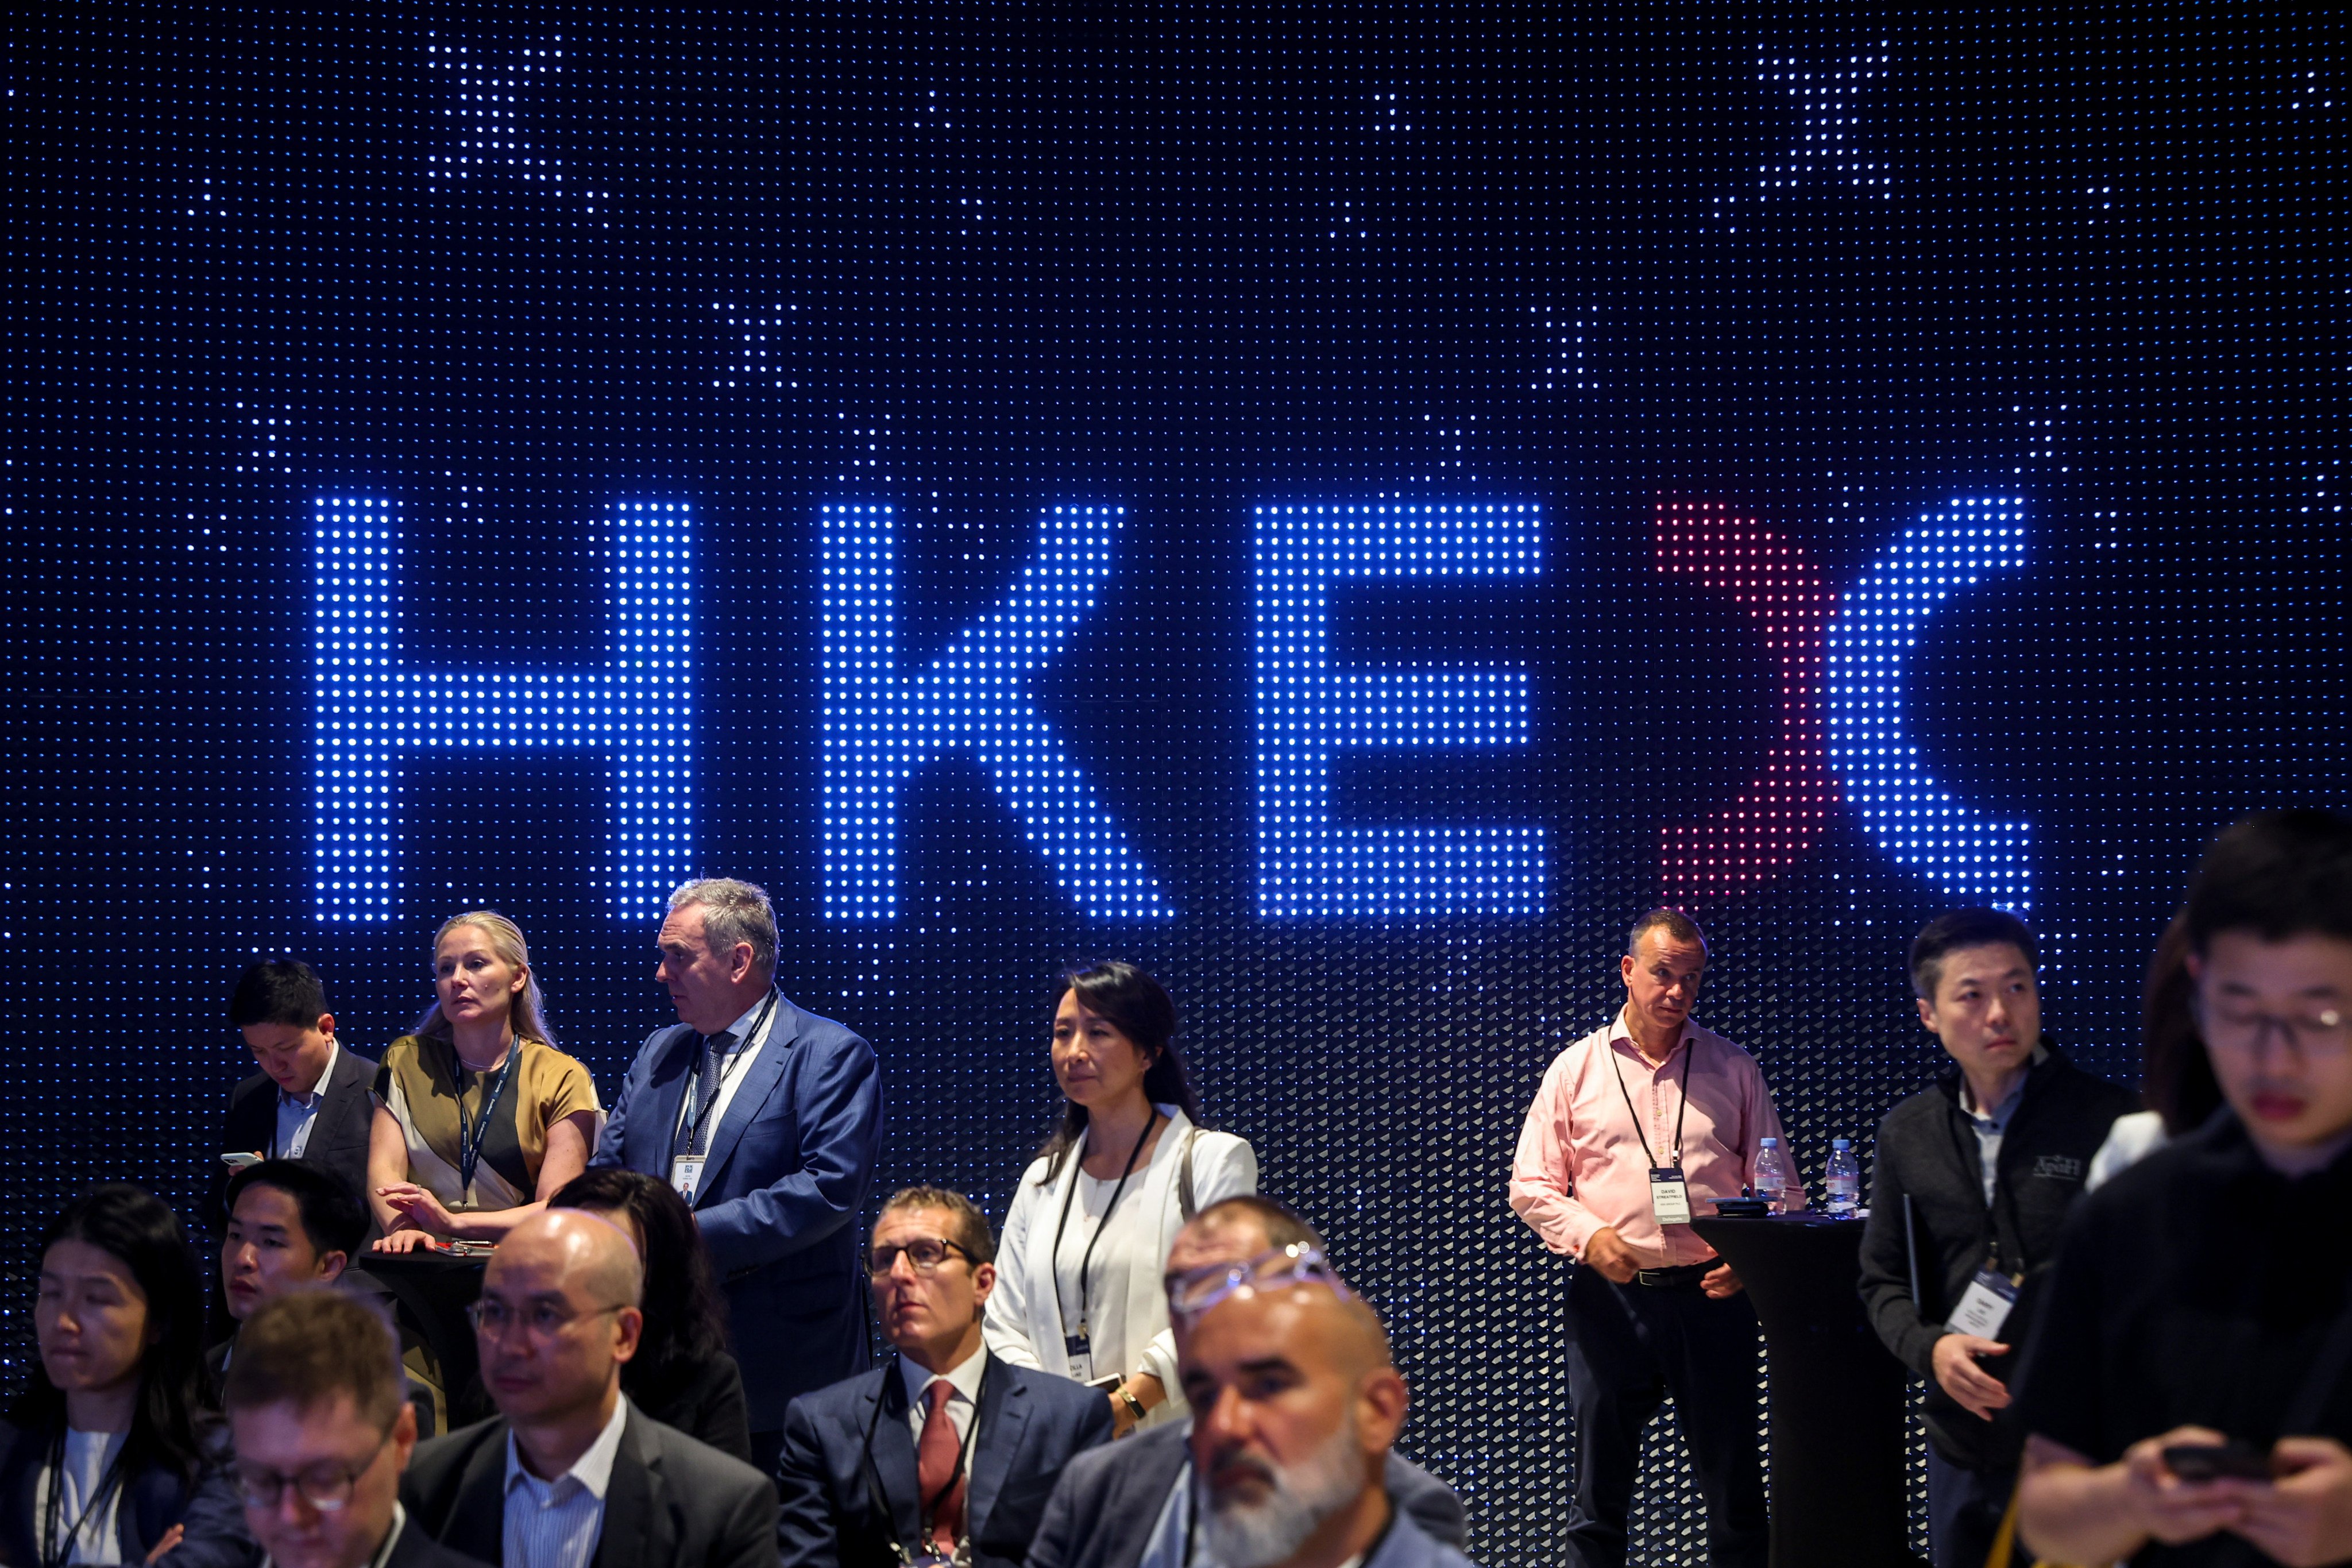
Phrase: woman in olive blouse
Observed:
(479, 1119)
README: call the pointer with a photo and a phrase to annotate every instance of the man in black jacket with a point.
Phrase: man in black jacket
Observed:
(312, 1099)
(569, 1474)
(1975, 1177)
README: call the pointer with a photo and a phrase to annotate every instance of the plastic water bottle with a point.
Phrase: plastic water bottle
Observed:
(1843, 1180)
(1773, 1177)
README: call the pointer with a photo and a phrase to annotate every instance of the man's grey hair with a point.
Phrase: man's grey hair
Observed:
(733, 912)
(1678, 927)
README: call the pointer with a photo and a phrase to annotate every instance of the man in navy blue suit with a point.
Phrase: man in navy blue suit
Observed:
(946, 1448)
(767, 1120)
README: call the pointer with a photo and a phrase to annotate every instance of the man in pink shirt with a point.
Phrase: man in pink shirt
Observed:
(1638, 1127)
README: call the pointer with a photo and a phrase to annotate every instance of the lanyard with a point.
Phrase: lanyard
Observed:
(469, 1139)
(1689, 1050)
(878, 1496)
(57, 1544)
(701, 1114)
(1970, 1149)
(1086, 1258)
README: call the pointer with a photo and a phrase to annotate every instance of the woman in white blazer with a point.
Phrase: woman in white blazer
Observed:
(1081, 1287)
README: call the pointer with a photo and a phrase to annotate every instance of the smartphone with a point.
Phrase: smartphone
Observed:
(2212, 1461)
(238, 1162)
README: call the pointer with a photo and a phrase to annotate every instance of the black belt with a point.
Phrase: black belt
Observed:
(1683, 1276)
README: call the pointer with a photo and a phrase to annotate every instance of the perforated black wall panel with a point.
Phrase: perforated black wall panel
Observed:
(1817, 465)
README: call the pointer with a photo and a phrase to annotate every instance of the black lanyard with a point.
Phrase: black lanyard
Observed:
(1086, 1258)
(1689, 1050)
(469, 1139)
(57, 1542)
(878, 1496)
(701, 1113)
(1970, 1149)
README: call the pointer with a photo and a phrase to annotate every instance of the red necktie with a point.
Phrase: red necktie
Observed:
(935, 1462)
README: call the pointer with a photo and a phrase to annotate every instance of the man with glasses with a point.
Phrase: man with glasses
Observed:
(2188, 1389)
(569, 1473)
(1133, 1503)
(323, 1433)
(1636, 1129)
(947, 1453)
(1975, 1177)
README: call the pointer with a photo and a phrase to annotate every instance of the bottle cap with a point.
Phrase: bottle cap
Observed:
(1841, 1142)
(1768, 1142)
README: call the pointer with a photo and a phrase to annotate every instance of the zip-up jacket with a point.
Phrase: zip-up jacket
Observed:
(1928, 1153)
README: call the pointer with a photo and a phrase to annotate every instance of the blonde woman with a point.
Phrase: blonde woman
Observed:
(480, 1118)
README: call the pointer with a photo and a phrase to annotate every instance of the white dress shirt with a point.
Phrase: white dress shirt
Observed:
(964, 1400)
(297, 1113)
(734, 1066)
(555, 1524)
(1992, 1126)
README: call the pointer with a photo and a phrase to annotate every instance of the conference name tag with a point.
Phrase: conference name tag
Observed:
(1984, 1306)
(1079, 1349)
(686, 1175)
(1669, 1195)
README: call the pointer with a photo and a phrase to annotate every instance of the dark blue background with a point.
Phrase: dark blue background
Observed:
(1220, 256)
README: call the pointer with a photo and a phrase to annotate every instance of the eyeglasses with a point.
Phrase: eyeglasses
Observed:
(2326, 1031)
(1196, 1291)
(326, 1487)
(925, 1252)
(543, 1320)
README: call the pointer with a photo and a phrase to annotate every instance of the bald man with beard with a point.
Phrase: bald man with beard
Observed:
(569, 1474)
(1296, 1404)
(1131, 1504)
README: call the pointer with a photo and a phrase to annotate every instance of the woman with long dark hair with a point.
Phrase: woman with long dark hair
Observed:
(108, 1456)
(1079, 1287)
(2176, 1077)
(681, 1375)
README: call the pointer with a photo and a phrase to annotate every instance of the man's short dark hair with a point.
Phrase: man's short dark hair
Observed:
(967, 1226)
(2278, 874)
(1674, 922)
(277, 991)
(334, 1216)
(306, 1347)
(1957, 929)
(1284, 1226)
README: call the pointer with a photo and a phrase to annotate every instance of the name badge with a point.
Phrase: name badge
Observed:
(1669, 1195)
(1080, 1349)
(686, 1176)
(1984, 1306)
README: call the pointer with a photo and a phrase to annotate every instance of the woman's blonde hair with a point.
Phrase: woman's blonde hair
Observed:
(529, 1016)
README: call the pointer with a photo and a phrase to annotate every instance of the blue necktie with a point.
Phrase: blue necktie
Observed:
(706, 1093)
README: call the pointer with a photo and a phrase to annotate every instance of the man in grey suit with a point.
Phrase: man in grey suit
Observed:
(569, 1474)
(1131, 1505)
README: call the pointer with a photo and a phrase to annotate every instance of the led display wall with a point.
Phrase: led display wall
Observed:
(1344, 507)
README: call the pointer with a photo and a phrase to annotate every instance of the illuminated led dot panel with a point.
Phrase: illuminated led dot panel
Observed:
(374, 705)
(1311, 704)
(1343, 505)
(1916, 821)
(881, 724)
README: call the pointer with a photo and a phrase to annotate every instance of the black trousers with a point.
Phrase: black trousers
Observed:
(1964, 1511)
(1629, 1346)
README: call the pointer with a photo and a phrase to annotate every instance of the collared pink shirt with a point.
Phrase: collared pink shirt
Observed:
(1580, 1164)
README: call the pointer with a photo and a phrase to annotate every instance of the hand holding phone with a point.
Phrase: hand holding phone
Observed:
(2217, 1461)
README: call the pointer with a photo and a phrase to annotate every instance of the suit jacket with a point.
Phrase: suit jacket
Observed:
(1029, 1424)
(152, 1501)
(339, 1137)
(414, 1548)
(672, 1501)
(1102, 1512)
(788, 1170)
(705, 1404)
